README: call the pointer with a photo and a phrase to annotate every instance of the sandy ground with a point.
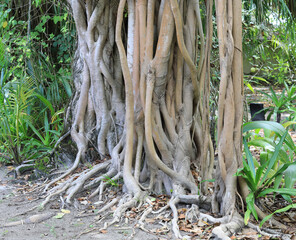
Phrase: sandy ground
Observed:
(13, 203)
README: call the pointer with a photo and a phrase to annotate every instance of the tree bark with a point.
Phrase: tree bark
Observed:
(230, 104)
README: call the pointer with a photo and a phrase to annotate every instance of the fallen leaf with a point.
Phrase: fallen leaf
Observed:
(149, 220)
(65, 211)
(59, 215)
(249, 231)
(103, 231)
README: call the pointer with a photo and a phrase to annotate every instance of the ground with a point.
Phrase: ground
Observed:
(14, 201)
(78, 220)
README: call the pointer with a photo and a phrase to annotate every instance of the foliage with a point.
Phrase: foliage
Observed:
(281, 103)
(267, 46)
(21, 138)
(285, 209)
(34, 91)
(266, 175)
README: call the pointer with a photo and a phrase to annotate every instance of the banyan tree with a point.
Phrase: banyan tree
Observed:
(142, 78)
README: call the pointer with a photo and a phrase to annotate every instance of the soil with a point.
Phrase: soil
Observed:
(18, 196)
(16, 200)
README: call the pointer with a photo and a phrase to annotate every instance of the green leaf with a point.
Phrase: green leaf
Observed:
(261, 79)
(277, 211)
(249, 159)
(288, 191)
(59, 215)
(247, 216)
(273, 126)
(290, 176)
(46, 102)
(250, 200)
(250, 87)
(273, 157)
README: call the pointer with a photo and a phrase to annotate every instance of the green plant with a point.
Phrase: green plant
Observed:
(280, 103)
(285, 209)
(14, 100)
(265, 176)
(110, 181)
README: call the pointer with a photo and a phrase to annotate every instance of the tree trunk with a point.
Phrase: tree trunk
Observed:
(230, 110)
(153, 122)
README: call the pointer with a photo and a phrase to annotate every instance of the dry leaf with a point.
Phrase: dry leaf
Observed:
(65, 211)
(149, 220)
(59, 215)
(103, 231)
(249, 231)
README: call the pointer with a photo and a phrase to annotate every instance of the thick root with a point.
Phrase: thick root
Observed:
(226, 230)
(73, 186)
(71, 170)
(81, 180)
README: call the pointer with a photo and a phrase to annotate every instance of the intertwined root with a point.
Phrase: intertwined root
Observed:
(154, 124)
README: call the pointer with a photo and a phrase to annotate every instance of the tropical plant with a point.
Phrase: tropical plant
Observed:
(30, 125)
(15, 97)
(266, 175)
(279, 103)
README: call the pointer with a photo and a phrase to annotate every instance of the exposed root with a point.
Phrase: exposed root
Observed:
(173, 202)
(24, 167)
(78, 183)
(73, 186)
(271, 233)
(122, 208)
(142, 219)
(226, 230)
(162, 209)
(108, 206)
(102, 186)
(71, 170)
(111, 173)
(54, 194)
(200, 200)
